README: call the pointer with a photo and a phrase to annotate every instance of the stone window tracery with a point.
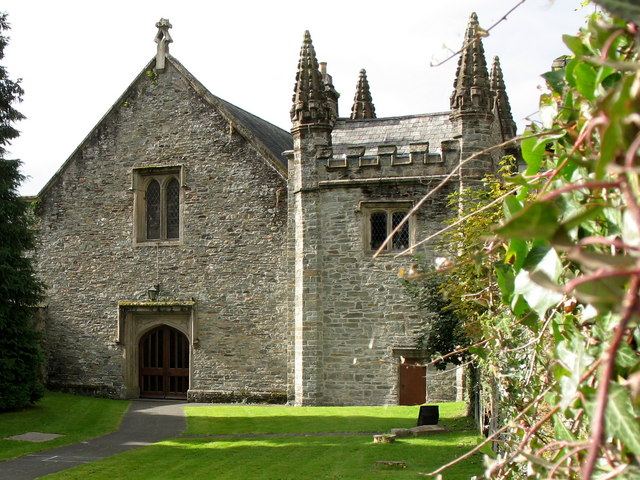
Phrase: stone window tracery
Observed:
(153, 210)
(380, 220)
(157, 209)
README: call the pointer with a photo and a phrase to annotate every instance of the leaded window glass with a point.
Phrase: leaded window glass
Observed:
(382, 221)
(378, 229)
(157, 204)
(173, 209)
(153, 210)
(400, 240)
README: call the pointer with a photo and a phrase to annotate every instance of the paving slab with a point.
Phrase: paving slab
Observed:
(36, 437)
(146, 422)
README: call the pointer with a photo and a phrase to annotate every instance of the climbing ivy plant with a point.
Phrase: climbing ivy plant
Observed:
(561, 340)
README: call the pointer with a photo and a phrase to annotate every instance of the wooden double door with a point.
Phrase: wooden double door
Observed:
(164, 363)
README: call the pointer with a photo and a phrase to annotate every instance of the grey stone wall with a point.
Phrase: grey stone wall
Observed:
(445, 385)
(231, 259)
(366, 314)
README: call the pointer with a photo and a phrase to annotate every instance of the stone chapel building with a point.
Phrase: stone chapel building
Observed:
(193, 250)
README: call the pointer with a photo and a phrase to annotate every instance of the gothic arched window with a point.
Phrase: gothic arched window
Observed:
(157, 204)
(173, 209)
(153, 210)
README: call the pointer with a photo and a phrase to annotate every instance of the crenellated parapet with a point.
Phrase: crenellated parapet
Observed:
(392, 148)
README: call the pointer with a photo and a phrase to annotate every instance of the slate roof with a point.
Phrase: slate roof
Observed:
(274, 138)
(399, 131)
(270, 140)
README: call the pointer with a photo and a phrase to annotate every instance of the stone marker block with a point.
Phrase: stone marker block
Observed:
(427, 430)
(384, 438)
(401, 432)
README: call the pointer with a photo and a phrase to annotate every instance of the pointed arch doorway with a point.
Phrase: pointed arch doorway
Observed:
(164, 363)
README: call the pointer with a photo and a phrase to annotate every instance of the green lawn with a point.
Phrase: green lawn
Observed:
(229, 420)
(77, 418)
(293, 457)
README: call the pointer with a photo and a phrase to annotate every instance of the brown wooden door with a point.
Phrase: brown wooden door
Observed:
(164, 363)
(413, 390)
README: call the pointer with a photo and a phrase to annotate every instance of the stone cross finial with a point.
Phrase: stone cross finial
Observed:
(163, 39)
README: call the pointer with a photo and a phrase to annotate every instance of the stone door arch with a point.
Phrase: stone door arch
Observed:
(137, 319)
(164, 363)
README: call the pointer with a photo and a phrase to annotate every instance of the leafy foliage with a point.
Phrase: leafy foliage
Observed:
(20, 291)
(572, 246)
(444, 332)
(560, 342)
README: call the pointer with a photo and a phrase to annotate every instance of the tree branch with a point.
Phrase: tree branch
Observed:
(478, 35)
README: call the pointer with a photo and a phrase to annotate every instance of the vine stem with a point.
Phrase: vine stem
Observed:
(599, 275)
(460, 220)
(630, 304)
(494, 435)
(486, 34)
(454, 173)
(578, 186)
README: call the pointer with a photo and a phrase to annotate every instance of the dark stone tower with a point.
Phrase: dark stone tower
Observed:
(471, 104)
(313, 116)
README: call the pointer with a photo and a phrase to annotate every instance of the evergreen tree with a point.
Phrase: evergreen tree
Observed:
(20, 291)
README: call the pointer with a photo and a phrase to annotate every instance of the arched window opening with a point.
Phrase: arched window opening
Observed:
(153, 210)
(173, 209)
(157, 204)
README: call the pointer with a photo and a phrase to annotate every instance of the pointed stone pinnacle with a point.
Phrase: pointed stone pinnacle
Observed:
(363, 103)
(309, 100)
(501, 107)
(471, 91)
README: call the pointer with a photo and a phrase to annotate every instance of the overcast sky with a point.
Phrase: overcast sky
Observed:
(76, 58)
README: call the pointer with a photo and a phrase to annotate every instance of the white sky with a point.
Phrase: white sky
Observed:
(76, 57)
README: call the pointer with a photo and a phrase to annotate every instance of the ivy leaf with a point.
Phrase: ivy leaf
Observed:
(604, 294)
(506, 278)
(575, 44)
(561, 430)
(627, 9)
(626, 357)
(533, 149)
(517, 253)
(519, 306)
(555, 79)
(511, 206)
(585, 77)
(539, 298)
(575, 358)
(536, 220)
(620, 418)
(630, 232)
(536, 282)
(544, 259)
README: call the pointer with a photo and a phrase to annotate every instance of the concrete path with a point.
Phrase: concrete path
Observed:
(146, 422)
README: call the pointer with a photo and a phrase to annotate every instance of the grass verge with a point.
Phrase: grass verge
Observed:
(233, 420)
(77, 418)
(347, 457)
